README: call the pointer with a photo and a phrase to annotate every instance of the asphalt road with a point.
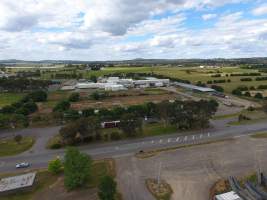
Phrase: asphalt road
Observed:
(38, 156)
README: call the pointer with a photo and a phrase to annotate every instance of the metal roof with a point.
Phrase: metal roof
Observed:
(228, 196)
(194, 87)
(17, 182)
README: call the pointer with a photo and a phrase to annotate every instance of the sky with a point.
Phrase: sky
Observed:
(129, 29)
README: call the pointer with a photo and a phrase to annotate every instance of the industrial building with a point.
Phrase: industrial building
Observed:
(228, 196)
(15, 183)
(194, 87)
(116, 84)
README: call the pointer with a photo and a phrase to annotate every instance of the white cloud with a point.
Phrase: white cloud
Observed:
(261, 10)
(209, 16)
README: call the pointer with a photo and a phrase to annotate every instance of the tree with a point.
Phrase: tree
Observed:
(55, 166)
(77, 168)
(93, 78)
(217, 88)
(38, 96)
(107, 188)
(258, 96)
(130, 124)
(74, 97)
(264, 107)
(62, 106)
(17, 138)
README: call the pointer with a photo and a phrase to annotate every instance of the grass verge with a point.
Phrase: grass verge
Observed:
(9, 147)
(259, 135)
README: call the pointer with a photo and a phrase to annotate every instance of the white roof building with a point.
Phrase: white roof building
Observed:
(228, 196)
(17, 182)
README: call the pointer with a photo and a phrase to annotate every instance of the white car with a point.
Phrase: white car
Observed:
(22, 165)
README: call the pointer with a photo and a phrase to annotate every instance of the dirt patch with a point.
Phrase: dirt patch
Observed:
(161, 190)
(122, 101)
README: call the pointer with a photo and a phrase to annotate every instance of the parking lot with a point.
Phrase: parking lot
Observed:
(191, 171)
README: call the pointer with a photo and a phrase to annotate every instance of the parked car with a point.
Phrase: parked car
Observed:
(22, 165)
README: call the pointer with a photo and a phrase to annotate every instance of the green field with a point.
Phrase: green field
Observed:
(9, 98)
(10, 147)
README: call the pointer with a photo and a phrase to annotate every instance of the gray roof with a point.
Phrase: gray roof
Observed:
(17, 182)
(194, 87)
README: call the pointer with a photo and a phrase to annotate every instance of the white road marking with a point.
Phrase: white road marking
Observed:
(185, 138)
(200, 136)
(160, 141)
(169, 140)
(193, 137)
(2, 164)
(177, 139)
(208, 134)
(152, 141)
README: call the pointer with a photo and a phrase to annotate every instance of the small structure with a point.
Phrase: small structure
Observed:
(114, 87)
(195, 88)
(228, 196)
(15, 183)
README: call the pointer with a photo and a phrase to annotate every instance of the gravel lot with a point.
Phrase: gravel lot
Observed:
(191, 171)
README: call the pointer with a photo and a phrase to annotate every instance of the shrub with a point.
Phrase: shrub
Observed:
(18, 138)
(55, 166)
(217, 88)
(258, 96)
(62, 106)
(115, 135)
(107, 188)
(246, 79)
(74, 97)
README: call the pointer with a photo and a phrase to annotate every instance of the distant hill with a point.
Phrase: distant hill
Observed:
(141, 61)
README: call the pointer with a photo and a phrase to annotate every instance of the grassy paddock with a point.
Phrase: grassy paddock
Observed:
(9, 98)
(9, 147)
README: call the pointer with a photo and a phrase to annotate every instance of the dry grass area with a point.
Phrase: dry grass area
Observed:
(122, 101)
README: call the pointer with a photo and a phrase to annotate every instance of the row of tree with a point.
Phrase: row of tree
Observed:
(22, 84)
(15, 115)
(184, 115)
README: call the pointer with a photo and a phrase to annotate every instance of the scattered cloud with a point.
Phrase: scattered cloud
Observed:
(122, 29)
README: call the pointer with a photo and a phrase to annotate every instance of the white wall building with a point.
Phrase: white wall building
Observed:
(228, 196)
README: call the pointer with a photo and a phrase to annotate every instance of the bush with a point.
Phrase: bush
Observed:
(246, 79)
(242, 117)
(62, 106)
(107, 188)
(74, 97)
(115, 135)
(258, 96)
(55, 143)
(18, 138)
(217, 88)
(55, 166)
(37, 96)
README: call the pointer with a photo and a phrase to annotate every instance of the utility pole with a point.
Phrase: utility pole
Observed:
(159, 172)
